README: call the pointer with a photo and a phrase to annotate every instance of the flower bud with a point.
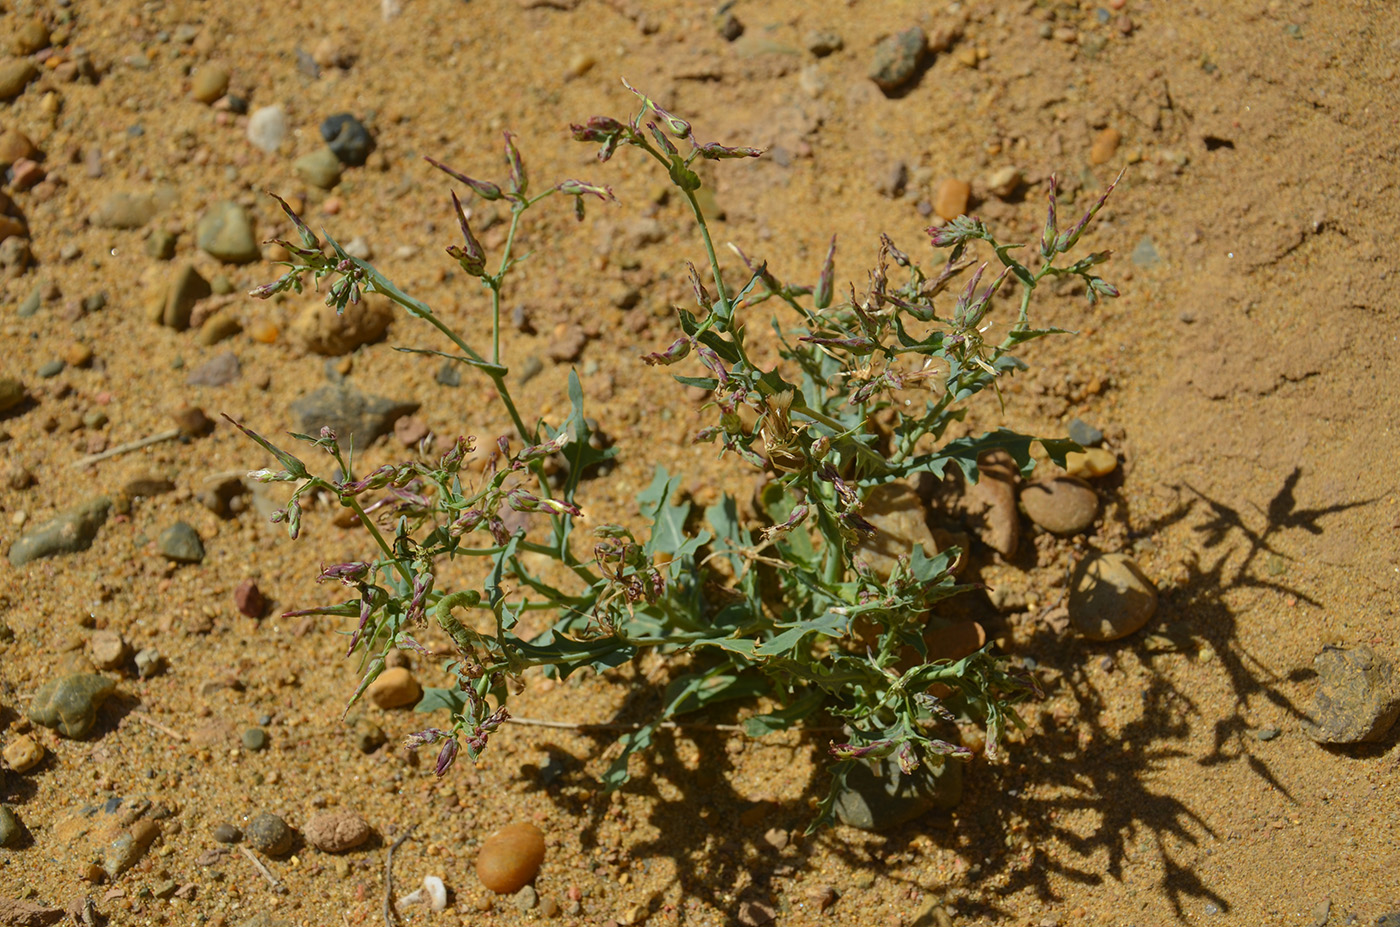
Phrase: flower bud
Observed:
(518, 181)
(446, 757)
(822, 297)
(472, 257)
(482, 188)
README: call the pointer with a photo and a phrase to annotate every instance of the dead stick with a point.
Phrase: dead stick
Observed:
(257, 864)
(127, 447)
(153, 723)
(389, 912)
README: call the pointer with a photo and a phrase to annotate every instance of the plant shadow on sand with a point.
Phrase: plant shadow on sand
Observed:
(1085, 769)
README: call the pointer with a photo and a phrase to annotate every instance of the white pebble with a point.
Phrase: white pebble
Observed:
(437, 892)
(359, 248)
(267, 127)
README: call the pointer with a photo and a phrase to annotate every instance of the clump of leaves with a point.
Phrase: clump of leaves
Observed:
(789, 609)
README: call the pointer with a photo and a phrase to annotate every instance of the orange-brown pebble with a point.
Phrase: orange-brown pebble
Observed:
(1105, 146)
(263, 330)
(510, 858)
(951, 198)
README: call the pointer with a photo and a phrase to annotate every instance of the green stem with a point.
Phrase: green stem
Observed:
(373, 530)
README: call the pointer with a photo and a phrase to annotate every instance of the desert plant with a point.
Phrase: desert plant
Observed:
(784, 606)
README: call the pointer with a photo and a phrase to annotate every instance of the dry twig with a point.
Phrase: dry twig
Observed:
(389, 913)
(262, 870)
(156, 725)
(126, 448)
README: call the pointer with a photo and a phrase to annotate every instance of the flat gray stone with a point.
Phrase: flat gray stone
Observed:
(181, 543)
(67, 533)
(349, 413)
(1358, 696)
(188, 288)
(124, 211)
(879, 803)
(225, 232)
(321, 168)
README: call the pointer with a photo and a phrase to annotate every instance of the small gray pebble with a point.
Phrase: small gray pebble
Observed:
(181, 543)
(11, 830)
(52, 369)
(255, 739)
(1084, 434)
(347, 137)
(227, 833)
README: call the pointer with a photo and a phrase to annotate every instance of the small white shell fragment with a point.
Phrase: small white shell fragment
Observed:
(437, 892)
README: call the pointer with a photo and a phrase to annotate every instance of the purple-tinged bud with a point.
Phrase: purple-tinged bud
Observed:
(798, 516)
(1100, 289)
(451, 461)
(898, 256)
(518, 181)
(1048, 236)
(472, 257)
(422, 738)
(678, 127)
(707, 435)
(308, 237)
(579, 188)
(908, 758)
(661, 140)
(1071, 237)
(522, 501)
(821, 298)
(678, 349)
(267, 289)
(467, 522)
(292, 517)
(943, 748)
(446, 757)
(821, 447)
(498, 531)
(540, 451)
(598, 129)
(416, 611)
(503, 445)
(351, 573)
(270, 476)
(711, 360)
(482, 188)
(856, 523)
(702, 295)
(717, 152)
(872, 750)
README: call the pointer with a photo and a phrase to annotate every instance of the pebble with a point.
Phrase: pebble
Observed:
(51, 369)
(210, 83)
(268, 833)
(124, 211)
(526, 899)
(549, 906)
(227, 833)
(149, 662)
(897, 59)
(349, 413)
(897, 513)
(15, 75)
(14, 146)
(249, 600)
(1357, 698)
(12, 393)
(1110, 598)
(876, 804)
(254, 739)
(990, 504)
(181, 543)
(1145, 254)
(950, 200)
(23, 753)
(567, 345)
(267, 128)
(1062, 505)
(220, 326)
(108, 649)
(1090, 464)
(369, 736)
(510, 858)
(219, 370)
(347, 139)
(128, 848)
(321, 168)
(580, 63)
(69, 704)
(822, 42)
(30, 306)
(161, 245)
(336, 831)
(410, 430)
(11, 833)
(1105, 146)
(1084, 434)
(394, 688)
(77, 354)
(32, 36)
(321, 330)
(225, 232)
(67, 533)
(191, 421)
(1004, 183)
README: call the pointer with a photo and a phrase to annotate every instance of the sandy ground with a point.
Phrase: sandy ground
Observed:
(1247, 379)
